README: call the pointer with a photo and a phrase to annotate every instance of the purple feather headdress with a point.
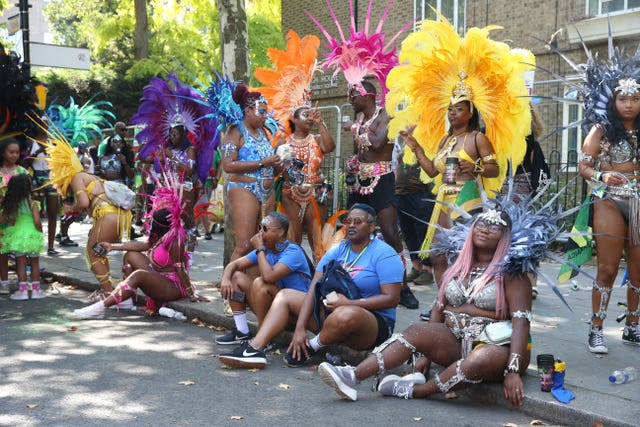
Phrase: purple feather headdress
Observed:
(362, 54)
(167, 103)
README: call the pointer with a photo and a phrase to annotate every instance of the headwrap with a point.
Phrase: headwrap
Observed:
(287, 86)
(362, 54)
(167, 104)
(439, 68)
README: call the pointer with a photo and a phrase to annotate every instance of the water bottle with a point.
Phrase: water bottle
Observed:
(624, 376)
(171, 313)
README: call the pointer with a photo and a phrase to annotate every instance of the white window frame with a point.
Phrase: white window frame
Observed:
(569, 142)
(421, 7)
(625, 8)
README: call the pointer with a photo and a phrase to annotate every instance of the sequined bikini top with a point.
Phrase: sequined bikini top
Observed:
(457, 293)
(625, 150)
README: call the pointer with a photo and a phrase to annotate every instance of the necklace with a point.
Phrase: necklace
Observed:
(348, 266)
(474, 274)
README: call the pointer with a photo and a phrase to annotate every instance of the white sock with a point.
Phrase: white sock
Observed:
(242, 325)
(315, 343)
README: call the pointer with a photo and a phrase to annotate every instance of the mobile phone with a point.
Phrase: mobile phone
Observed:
(99, 249)
(238, 296)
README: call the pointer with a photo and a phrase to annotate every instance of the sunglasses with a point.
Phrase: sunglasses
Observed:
(265, 228)
(354, 221)
(490, 228)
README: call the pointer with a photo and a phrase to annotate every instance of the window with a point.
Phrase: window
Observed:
(603, 7)
(453, 10)
(571, 138)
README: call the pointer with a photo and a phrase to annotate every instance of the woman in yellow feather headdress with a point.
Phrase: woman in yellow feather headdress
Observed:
(110, 222)
(462, 80)
(287, 88)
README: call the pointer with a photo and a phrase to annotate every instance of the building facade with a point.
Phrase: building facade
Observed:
(529, 24)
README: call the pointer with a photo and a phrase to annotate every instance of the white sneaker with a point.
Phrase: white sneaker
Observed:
(20, 295)
(124, 305)
(93, 311)
(38, 294)
(341, 378)
(394, 385)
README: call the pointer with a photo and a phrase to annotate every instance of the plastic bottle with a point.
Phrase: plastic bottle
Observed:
(624, 376)
(171, 313)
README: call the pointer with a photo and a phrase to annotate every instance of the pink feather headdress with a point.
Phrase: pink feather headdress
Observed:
(362, 54)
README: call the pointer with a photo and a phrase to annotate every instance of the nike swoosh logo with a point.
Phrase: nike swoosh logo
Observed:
(249, 354)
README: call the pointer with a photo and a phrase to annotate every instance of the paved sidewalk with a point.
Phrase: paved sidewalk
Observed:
(555, 330)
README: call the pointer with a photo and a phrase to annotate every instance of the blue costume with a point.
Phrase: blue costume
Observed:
(254, 149)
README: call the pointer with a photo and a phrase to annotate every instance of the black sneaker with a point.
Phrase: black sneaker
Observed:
(234, 337)
(408, 299)
(425, 316)
(596, 341)
(296, 363)
(52, 251)
(244, 357)
(631, 334)
(66, 241)
(207, 236)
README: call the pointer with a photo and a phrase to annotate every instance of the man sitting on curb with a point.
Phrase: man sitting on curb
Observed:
(281, 265)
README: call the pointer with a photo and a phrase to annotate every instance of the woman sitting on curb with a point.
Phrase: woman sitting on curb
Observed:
(282, 266)
(161, 273)
(475, 297)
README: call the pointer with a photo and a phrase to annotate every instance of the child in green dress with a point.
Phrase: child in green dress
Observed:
(23, 236)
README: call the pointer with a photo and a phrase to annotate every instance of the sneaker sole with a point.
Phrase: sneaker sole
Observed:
(236, 342)
(38, 296)
(85, 317)
(636, 343)
(333, 381)
(244, 362)
(598, 350)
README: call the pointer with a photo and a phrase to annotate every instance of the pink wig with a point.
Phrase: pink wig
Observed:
(462, 267)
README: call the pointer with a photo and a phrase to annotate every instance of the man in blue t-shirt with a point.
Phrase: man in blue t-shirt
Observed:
(281, 265)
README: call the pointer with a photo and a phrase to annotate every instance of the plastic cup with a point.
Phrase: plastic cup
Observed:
(545, 371)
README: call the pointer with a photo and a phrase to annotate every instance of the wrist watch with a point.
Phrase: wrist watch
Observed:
(260, 165)
(262, 249)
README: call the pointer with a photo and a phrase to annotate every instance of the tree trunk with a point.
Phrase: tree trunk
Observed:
(234, 39)
(141, 34)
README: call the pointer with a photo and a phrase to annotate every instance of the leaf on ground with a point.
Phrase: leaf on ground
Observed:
(72, 287)
(256, 382)
(32, 405)
(417, 418)
(284, 386)
(72, 329)
(509, 425)
(277, 351)
(253, 370)
(237, 417)
(537, 423)
(223, 366)
(216, 328)
(451, 395)
(187, 382)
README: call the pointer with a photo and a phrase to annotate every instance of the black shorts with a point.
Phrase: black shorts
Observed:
(384, 329)
(383, 194)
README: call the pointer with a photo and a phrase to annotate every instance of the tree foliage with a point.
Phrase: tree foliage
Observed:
(184, 38)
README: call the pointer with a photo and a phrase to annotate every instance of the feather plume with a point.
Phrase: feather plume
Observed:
(81, 123)
(420, 89)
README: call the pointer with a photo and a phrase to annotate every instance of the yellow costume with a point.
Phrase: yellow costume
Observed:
(438, 69)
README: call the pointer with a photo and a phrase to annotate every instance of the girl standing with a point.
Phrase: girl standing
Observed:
(23, 236)
(9, 156)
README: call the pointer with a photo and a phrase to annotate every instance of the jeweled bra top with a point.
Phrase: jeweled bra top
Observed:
(457, 294)
(625, 150)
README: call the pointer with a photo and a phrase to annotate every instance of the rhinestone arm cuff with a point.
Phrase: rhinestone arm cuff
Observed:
(514, 364)
(519, 314)
(587, 158)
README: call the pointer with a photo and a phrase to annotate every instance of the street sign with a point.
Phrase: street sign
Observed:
(13, 24)
(49, 55)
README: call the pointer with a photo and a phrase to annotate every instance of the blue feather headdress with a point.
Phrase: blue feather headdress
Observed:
(81, 123)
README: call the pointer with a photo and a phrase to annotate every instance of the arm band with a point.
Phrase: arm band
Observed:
(514, 364)
(519, 314)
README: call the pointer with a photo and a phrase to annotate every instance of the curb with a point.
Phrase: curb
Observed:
(537, 404)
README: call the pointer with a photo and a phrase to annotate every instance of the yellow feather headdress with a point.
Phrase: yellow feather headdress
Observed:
(63, 160)
(439, 68)
(287, 85)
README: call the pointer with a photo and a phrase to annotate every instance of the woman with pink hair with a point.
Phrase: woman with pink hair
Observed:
(478, 331)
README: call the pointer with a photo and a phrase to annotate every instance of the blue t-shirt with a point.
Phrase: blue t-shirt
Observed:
(293, 257)
(378, 264)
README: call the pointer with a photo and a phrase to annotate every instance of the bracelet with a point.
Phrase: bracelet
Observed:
(262, 249)
(597, 176)
(514, 364)
(260, 164)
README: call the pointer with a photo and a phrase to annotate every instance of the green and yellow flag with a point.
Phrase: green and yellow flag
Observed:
(579, 248)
